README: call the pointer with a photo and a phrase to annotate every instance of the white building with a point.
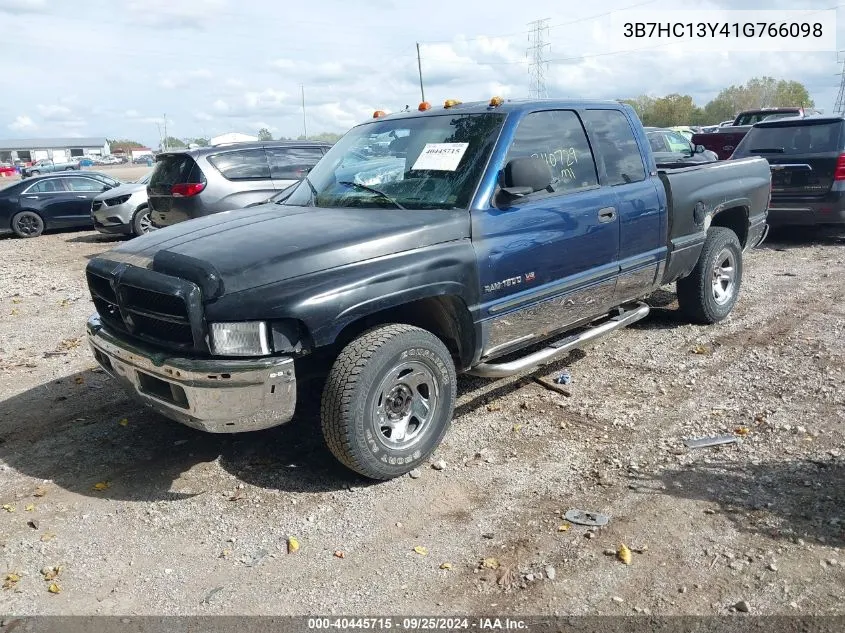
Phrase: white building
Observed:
(59, 150)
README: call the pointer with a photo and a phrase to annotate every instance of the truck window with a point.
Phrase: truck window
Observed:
(615, 146)
(557, 137)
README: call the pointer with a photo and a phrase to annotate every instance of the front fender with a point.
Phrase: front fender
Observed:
(328, 301)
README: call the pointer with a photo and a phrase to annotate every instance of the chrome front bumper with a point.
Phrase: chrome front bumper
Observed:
(218, 396)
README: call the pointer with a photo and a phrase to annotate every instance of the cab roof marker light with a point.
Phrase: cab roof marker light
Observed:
(425, 105)
(379, 113)
(451, 103)
(495, 102)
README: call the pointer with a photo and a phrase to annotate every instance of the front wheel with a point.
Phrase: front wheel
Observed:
(388, 400)
(711, 290)
(141, 222)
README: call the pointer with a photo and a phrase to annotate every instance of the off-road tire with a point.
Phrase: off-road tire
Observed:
(27, 224)
(696, 294)
(353, 390)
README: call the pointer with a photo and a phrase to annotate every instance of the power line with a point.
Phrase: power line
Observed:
(536, 51)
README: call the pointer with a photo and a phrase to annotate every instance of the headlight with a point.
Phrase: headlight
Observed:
(246, 338)
(112, 202)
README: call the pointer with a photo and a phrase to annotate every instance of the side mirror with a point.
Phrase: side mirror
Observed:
(700, 149)
(524, 176)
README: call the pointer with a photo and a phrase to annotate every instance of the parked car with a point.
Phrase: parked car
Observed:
(86, 161)
(513, 223)
(29, 207)
(47, 166)
(194, 183)
(807, 160)
(671, 148)
(725, 139)
(7, 169)
(123, 210)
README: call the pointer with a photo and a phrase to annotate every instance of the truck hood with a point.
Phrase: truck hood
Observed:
(248, 248)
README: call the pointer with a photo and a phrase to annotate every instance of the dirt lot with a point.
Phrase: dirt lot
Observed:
(190, 523)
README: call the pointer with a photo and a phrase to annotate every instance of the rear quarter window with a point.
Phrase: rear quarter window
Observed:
(615, 146)
(248, 164)
(175, 169)
(291, 163)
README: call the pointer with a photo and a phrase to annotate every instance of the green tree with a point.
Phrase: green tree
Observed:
(123, 144)
(328, 137)
(264, 135)
(201, 141)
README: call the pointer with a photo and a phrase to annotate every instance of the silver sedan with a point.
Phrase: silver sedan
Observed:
(123, 210)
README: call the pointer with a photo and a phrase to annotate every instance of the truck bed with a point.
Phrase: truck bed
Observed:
(696, 193)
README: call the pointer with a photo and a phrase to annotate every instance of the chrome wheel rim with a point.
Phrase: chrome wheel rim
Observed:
(724, 276)
(145, 224)
(404, 405)
(28, 225)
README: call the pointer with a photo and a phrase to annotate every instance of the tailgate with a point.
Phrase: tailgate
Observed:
(808, 176)
(802, 155)
(170, 169)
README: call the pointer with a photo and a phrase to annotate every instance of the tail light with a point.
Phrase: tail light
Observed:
(839, 172)
(186, 189)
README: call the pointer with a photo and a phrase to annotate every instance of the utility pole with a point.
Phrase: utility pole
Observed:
(419, 67)
(304, 127)
(839, 108)
(160, 137)
(165, 131)
(536, 52)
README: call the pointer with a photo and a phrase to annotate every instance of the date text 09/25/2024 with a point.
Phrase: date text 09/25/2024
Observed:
(418, 624)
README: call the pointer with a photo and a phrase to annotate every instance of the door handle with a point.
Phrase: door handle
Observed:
(81, 196)
(608, 214)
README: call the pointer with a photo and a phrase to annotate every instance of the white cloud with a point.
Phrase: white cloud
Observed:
(54, 112)
(19, 7)
(209, 76)
(21, 123)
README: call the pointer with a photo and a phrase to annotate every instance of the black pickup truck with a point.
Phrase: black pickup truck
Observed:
(423, 245)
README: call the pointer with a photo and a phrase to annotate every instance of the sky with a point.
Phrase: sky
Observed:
(122, 68)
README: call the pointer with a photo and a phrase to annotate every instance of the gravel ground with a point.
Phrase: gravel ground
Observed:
(190, 523)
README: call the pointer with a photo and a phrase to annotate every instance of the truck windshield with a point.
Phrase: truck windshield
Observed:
(426, 162)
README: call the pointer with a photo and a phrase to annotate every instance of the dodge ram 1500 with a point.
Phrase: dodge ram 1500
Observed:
(488, 238)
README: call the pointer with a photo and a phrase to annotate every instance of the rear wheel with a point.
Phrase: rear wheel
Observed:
(35, 173)
(141, 222)
(27, 224)
(388, 400)
(710, 292)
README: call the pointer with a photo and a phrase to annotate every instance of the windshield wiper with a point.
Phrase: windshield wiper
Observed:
(767, 150)
(391, 200)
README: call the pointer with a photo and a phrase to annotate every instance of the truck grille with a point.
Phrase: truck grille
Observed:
(165, 317)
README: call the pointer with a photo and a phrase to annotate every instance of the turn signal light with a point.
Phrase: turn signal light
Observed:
(451, 103)
(379, 113)
(495, 102)
(425, 105)
(186, 189)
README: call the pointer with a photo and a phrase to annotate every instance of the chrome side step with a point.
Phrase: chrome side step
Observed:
(562, 347)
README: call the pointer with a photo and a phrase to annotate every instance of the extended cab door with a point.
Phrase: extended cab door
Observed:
(549, 259)
(638, 197)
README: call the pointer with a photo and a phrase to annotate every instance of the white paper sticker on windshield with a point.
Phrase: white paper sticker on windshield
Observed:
(441, 156)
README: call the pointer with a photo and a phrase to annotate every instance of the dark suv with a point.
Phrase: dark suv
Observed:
(807, 159)
(189, 184)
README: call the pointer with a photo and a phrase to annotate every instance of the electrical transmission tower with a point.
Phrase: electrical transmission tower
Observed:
(538, 46)
(839, 108)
